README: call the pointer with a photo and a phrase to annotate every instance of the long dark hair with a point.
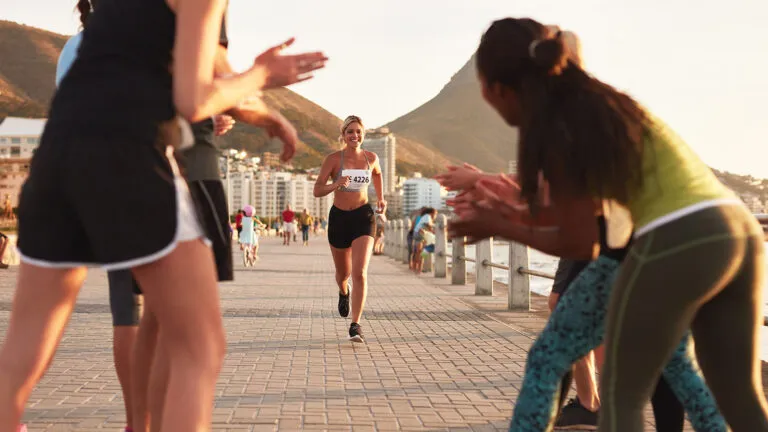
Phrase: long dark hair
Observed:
(584, 136)
(428, 211)
(85, 7)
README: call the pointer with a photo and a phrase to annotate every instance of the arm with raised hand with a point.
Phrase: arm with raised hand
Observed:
(565, 227)
(254, 111)
(461, 177)
(198, 92)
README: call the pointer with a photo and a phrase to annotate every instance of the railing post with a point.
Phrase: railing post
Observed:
(519, 283)
(386, 226)
(396, 239)
(441, 247)
(393, 240)
(388, 231)
(458, 265)
(406, 224)
(484, 273)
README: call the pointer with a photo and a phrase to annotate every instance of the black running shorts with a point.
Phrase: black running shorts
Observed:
(346, 226)
(124, 298)
(211, 202)
(111, 202)
(566, 272)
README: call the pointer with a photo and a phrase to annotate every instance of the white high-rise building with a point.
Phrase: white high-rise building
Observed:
(270, 192)
(395, 204)
(383, 143)
(445, 195)
(299, 193)
(512, 168)
(239, 187)
(19, 137)
(323, 206)
(421, 192)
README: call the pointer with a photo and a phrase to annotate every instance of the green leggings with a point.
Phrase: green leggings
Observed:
(703, 271)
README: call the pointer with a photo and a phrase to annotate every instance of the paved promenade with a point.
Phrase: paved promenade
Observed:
(436, 358)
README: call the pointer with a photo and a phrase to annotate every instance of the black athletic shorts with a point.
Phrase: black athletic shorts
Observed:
(566, 272)
(346, 226)
(211, 202)
(124, 298)
(102, 199)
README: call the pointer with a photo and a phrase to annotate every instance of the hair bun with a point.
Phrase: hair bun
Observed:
(84, 7)
(550, 54)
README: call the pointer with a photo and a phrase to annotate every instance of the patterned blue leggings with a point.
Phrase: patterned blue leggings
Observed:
(577, 326)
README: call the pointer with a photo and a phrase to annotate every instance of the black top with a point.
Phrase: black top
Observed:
(566, 272)
(122, 67)
(605, 250)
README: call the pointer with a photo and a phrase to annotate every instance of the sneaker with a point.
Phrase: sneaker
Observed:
(355, 333)
(344, 303)
(576, 417)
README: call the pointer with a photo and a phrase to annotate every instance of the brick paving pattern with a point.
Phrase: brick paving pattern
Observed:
(437, 358)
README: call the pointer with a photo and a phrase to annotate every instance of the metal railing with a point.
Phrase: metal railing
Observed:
(518, 282)
(487, 263)
(396, 246)
(523, 270)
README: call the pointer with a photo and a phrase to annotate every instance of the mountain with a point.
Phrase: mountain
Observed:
(745, 185)
(458, 123)
(28, 67)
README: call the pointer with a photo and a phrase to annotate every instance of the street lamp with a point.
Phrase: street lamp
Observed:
(236, 155)
(277, 203)
(228, 174)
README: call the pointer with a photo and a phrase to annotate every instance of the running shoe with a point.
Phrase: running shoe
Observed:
(576, 417)
(344, 303)
(356, 333)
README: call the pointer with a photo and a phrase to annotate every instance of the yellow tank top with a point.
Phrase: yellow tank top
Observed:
(673, 178)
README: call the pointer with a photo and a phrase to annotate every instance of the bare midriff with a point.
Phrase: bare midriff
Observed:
(350, 200)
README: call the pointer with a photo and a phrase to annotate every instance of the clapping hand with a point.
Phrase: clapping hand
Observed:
(477, 224)
(284, 70)
(222, 124)
(283, 130)
(461, 177)
(501, 194)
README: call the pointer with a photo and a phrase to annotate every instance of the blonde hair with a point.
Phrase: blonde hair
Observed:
(347, 122)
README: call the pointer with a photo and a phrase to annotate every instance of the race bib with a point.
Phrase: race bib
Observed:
(359, 179)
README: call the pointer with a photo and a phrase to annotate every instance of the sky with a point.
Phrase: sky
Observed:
(702, 68)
